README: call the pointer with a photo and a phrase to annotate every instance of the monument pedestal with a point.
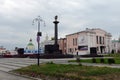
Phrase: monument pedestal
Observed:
(52, 49)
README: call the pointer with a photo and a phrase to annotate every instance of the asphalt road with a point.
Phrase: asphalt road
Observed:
(8, 64)
(7, 76)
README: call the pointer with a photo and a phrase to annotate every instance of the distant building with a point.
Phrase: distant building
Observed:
(12, 52)
(30, 47)
(46, 42)
(63, 45)
(2, 50)
(116, 46)
(89, 41)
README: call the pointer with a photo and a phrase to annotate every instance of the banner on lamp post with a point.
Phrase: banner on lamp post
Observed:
(38, 39)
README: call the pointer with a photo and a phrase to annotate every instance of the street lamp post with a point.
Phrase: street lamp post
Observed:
(38, 19)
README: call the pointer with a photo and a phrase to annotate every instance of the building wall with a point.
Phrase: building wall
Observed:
(72, 43)
(101, 40)
(83, 43)
(62, 45)
(115, 46)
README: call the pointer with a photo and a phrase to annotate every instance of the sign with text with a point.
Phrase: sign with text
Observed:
(82, 47)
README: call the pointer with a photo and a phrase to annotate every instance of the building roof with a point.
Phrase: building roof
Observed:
(84, 31)
(90, 31)
(30, 44)
(115, 41)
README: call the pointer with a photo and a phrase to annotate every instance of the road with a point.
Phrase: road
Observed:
(7, 76)
(8, 64)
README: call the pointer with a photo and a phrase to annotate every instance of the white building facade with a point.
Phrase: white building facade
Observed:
(89, 41)
(116, 46)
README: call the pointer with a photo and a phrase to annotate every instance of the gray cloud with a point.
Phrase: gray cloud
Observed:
(74, 15)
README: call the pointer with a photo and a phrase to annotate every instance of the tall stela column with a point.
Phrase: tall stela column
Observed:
(56, 30)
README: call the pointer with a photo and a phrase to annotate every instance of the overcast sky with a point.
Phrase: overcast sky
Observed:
(16, 18)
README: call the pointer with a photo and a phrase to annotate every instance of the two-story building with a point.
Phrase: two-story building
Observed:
(89, 41)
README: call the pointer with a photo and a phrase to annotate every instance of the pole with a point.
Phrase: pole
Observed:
(38, 55)
(38, 37)
(38, 52)
(38, 40)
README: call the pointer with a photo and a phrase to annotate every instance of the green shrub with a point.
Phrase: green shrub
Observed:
(51, 62)
(102, 60)
(111, 61)
(93, 60)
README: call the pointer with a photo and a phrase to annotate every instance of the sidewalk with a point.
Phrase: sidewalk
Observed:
(65, 61)
(98, 64)
(102, 65)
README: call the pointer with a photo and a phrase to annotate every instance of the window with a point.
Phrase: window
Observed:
(100, 40)
(64, 44)
(73, 41)
(114, 45)
(103, 40)
(97, 39)
(69, 50)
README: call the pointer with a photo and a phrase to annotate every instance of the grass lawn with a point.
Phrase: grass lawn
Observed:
(115, 56)
(51, 71)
